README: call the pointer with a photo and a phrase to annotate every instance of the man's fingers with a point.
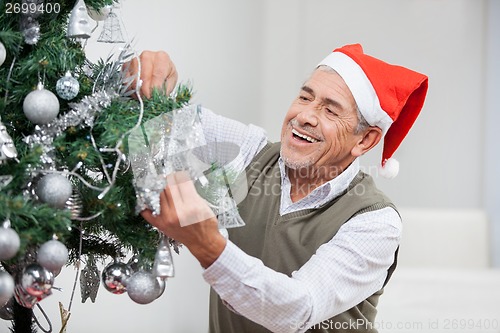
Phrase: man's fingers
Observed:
(163, 72)
(157, 71)
(147, 70)
(171, 80)
(148, 216)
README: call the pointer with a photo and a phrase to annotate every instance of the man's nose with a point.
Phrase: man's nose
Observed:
(309, 116)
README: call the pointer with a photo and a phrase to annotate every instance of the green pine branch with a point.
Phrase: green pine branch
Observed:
(116, 228)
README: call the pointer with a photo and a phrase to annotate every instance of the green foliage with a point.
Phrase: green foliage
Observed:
(115, 227)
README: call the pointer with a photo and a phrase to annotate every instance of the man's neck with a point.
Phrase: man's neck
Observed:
(304, 181)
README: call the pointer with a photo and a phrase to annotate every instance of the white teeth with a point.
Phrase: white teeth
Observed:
(308, 138)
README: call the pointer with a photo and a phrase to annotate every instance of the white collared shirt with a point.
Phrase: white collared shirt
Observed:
(343, 272)
(320, 195)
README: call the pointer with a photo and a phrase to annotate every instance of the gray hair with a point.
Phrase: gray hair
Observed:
(362, 123)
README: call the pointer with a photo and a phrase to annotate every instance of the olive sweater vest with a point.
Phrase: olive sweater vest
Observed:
(285, 243)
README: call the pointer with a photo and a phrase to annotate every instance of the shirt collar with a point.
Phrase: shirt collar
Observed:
(329, 190)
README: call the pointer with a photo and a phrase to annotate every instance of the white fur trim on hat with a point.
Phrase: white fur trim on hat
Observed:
(361, 88)
(390, 169)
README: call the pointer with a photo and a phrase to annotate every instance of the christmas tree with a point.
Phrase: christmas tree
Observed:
(66, 187)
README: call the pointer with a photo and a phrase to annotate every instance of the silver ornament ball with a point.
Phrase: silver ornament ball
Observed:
(101, 14)
(143, 287)
(6, 287)
(36, 280)
(9, 243)
(7, 311)
(67, 87)
(52, 255)
(41, 106)
(115, 277)
(54, 189)
(3, 54)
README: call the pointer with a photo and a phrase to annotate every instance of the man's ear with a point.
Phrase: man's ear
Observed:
(368, 139)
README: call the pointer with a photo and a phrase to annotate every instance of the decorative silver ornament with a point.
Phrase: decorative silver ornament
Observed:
(28, 23)
(23, 298)
(89, 281)
(101, 14)
(31, 31)
(41, 106)
(67, 87)
(9, 241)
(143, 287)
(54, 189)
(163, 265)
(7, 148)
(74, 205)
(6, 287)
(79, 22)
(7, 311)
(36, 280)
(115, 277)
(111, 31)
(52, 255)
(163, 285)
(3, 53)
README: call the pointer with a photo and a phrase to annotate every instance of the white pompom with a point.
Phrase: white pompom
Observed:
(390, 168)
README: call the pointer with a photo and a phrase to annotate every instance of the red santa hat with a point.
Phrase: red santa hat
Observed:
(388, 96)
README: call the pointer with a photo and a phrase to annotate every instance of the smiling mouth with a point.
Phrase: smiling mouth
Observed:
(304, 137)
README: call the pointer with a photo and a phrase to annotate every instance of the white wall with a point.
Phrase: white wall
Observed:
(247, 59)
(491, 179)
(442, 39)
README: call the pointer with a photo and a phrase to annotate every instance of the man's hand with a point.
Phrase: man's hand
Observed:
(157, 71)
(186, 217)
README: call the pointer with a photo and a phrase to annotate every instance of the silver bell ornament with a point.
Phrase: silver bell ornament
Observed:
(115, 277)
(111, 31)
(3, 53)
(41, 106)
(54, 189)
(79, 22)
(67, 87)
(6, 287)
(163, 264)
(36, 280)
(143, 287)
(9, 241)
(52, 255)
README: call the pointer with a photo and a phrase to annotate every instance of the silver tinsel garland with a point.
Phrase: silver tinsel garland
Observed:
(110, 84)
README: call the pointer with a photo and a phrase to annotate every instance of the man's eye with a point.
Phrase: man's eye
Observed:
(304, 98)
(330, 112)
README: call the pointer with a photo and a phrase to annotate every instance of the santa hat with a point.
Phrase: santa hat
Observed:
(388, 96)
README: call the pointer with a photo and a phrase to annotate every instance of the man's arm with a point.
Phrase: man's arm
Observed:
(341, 274)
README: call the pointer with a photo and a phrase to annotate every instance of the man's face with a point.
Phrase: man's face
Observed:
(318, 130)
